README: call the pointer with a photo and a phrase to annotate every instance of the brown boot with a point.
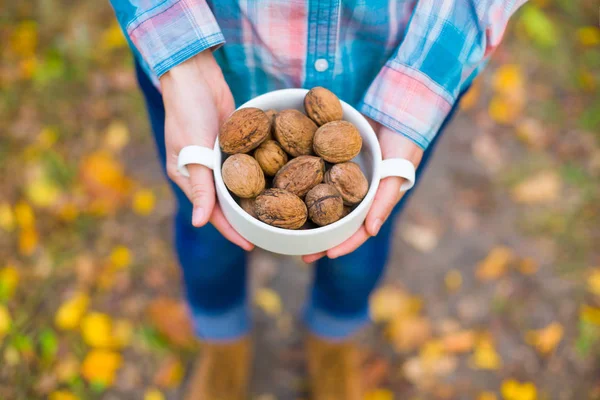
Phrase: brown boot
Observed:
(222, 372)
(334, 370)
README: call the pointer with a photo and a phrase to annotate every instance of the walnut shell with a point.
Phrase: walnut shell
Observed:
(248, 206)
(349, 180)
(243, 176)
(300, 175)
(271, 114)
(280, 208)
(270, 157)
(325, 204)
(294, 131)
(337, 142)
(322, 106)
(244, 131)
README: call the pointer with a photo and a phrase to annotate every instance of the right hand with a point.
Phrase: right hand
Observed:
(197, 101)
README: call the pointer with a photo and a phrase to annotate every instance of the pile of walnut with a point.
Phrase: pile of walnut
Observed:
(294, 149)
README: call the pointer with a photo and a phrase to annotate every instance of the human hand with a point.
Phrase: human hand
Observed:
(197, 101)
(393, 145)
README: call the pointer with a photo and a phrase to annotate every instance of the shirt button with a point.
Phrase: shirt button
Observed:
(321, 65)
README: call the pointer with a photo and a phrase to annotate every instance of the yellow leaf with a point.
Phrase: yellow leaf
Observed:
(379, 394)
(7, 218)
(527, 266)
(408, 333)
(154, 394)
(508, 79)
(122, 333)
(104, 179)
(589, 314)
(504, 110)
(485, 355)
(542, 188)
(42, 192)
(453, 280)
(170, 373)
(69, 314)
(47, 137)
(27, 67)
(593, 282)
(116, 136)
(487, 396)
(62, 395)
(586, 80)
(545, 340)
(28, 241)
(269, 301)
(589, 36)
(9, 279)
(100, 366)
(112, 38)
(495, 264)
(24, 215)
(120, 257)
(390, 302)
(67, 368)
(5, 321)
(459, 342)
(97, 330)
(24, 39)
(432, 351)
(143, 202)
(514, 390)
(469, 99)
(68, 212)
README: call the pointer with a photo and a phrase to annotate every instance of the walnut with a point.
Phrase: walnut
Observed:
(244, 131)
(270, 157)
(280, 208)
(242, 176)
(295, 131)
(337, 141)
(322, 106)
(325, 204)
(349, 180)
(300, 175)
(248, 205)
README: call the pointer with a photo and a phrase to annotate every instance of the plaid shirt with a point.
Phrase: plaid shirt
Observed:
(401, 62)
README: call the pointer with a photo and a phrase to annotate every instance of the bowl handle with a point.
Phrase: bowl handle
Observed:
(399, 167)
(195, 155)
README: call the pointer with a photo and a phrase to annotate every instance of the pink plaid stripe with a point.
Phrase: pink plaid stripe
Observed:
(174, 31)
(406, 100)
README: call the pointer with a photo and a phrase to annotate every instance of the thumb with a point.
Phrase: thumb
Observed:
(202, 194)
(387, 196)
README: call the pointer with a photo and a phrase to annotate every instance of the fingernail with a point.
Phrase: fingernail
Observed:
(376, 227)
(197, 216)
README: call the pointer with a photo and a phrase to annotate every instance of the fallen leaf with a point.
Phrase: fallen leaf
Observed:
(5, 322)
(379, 394)
(28, 241)
(514, 390)
(390, 302)
(24, 215)
(470, 99)
(420, 237)
(47, 137)
(487, 396)
(67, 368)
(41, 191)
(542, 188)
(590, 314)
(495, 264)
(170, 373)
(170, 318)
(586, 80)
(96, 330)
(504, 110)
(143, 202)
(69, 314)
(527, 266)
(589, 36)
(104, 179)
(545, 340)
(62, 395)
(508, 79)
(9, 279)
(153, 394)
(593, 282)
(100, 366)
(113, 38)
(116, 136)
(485, 355)
(120, 257)
(538, 26)
(24, 38)
(408, 333)
(453, 280)
(269, 301)
(459, 342)
(7, 217)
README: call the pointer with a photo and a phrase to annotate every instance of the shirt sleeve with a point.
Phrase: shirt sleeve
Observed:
(446, 44)
(167, 32)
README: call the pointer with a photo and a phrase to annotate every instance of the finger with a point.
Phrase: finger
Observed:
(349, 245)
(311, 258)
(220, 223)
(202, 194)
(387, 196)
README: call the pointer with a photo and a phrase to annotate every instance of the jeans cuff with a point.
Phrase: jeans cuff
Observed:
(333, 327)
(225, 326)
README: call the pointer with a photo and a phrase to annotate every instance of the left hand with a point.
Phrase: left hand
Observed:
(393, 145)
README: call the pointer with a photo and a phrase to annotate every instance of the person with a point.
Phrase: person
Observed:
(403, 64)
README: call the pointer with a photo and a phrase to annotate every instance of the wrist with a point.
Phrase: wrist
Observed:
(190, 71)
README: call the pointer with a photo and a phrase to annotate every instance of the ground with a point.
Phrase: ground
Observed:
(493, 285)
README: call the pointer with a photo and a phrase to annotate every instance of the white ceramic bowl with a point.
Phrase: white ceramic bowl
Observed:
(301, 242)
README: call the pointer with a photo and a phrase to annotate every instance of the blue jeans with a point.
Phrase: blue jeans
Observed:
(214, 269)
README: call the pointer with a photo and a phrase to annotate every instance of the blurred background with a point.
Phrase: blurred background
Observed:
(493, 289)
